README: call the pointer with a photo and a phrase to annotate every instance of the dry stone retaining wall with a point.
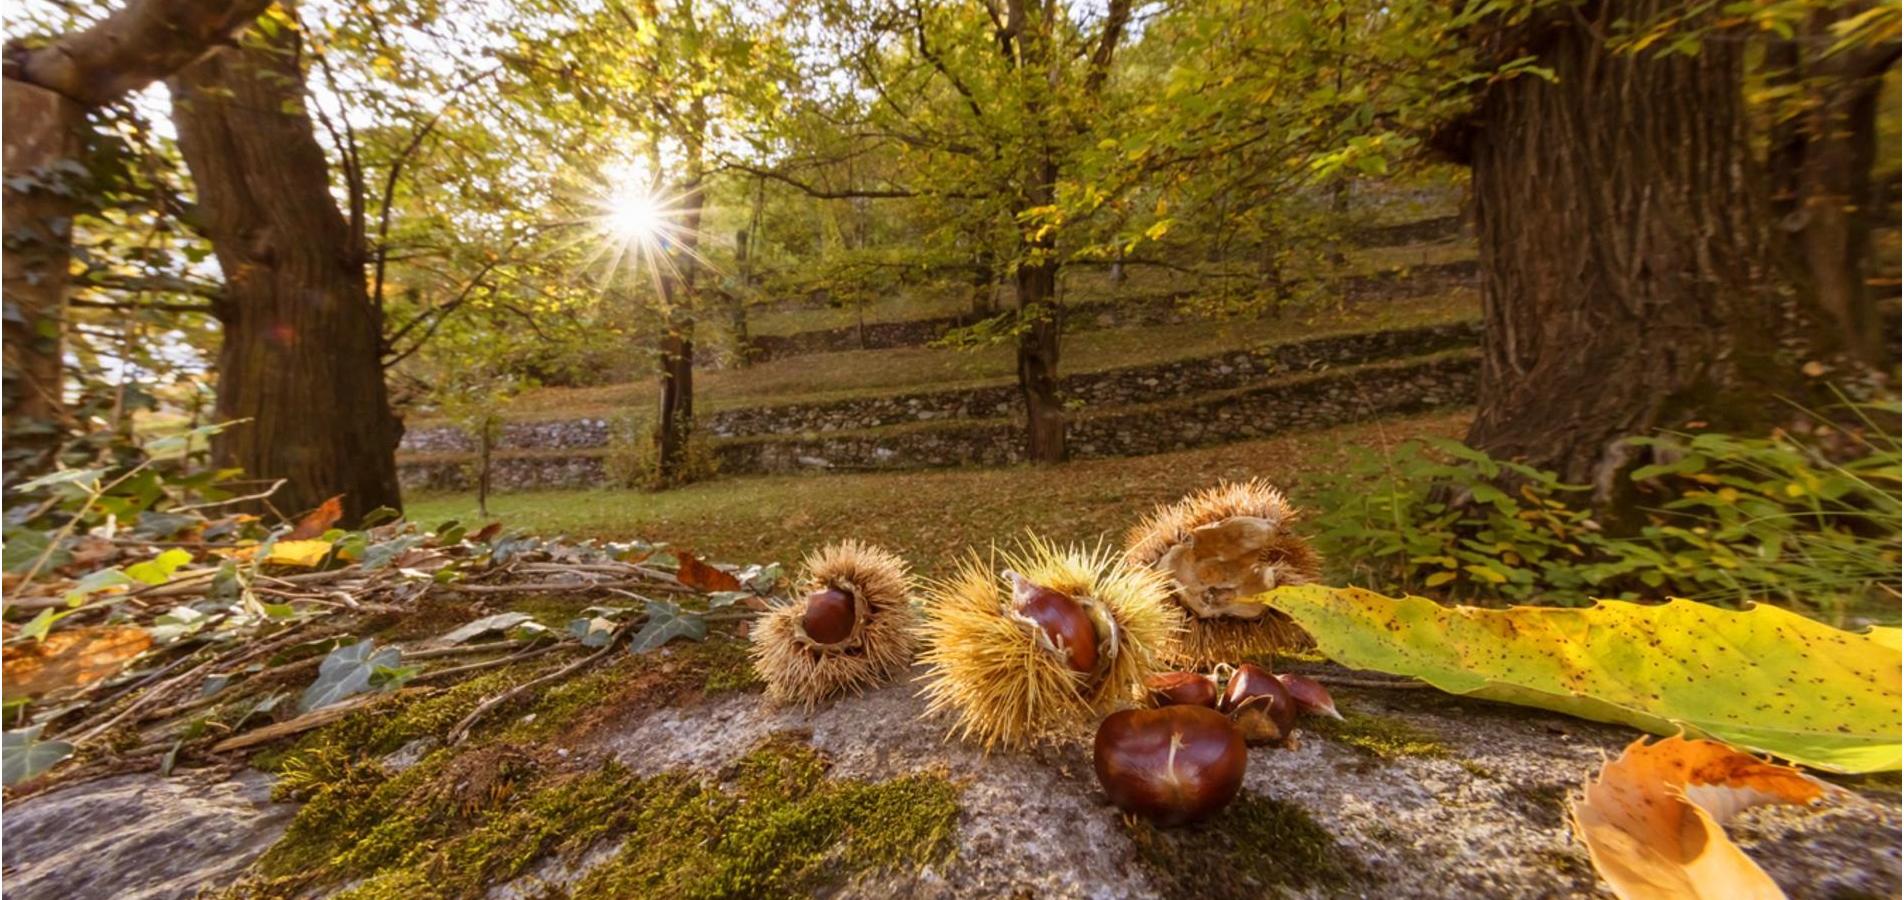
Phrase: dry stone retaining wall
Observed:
(1311, 401)
(1116, 387)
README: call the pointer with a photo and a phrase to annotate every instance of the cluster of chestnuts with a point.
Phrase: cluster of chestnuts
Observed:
(1183, 759)
(1037, 640)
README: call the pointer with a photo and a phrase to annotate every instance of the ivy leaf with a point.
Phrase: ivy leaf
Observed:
(667, 621)
(346, 672)
(23, 755)
(485, 625)
(159, 569)
(592, 632)
(1766, 679)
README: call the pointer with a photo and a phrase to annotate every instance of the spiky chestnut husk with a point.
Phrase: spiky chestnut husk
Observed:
(1216, 546)
(1001, 669)
(850, 626)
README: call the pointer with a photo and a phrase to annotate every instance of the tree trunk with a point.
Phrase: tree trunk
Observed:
(48, 89)
(676, 417)
(1620, 246)
(42, 129)
(1042, 321)
(301, 355)
(737, 302)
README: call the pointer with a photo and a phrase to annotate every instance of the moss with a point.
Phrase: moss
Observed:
(730, 665)
(1380, 736)
(456, 824)
(552, 610)
(1257, 847)
(1477, 770)
(781, 830)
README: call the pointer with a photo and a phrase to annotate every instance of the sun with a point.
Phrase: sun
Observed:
(636, 216)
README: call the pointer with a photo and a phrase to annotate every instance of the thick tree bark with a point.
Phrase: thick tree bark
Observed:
(1621, 246)
(48, 90)
(1820, 164)
(42, 129)
(301, 356)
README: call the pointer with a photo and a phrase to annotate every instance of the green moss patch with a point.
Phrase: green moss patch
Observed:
(1256, 847)
(779, 828)
(1380, 736)
(457, 823)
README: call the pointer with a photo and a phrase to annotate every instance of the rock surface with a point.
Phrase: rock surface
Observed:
(139, 837)
(1466, 799)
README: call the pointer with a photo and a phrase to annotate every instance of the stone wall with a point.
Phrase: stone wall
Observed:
(1084, 316)
(1115, 387)
(1330, 397)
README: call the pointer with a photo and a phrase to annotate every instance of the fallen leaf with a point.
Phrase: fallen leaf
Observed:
(70, 656)
(307, 554)
(1651, 820)
(483, 534)
(319, 520)
(1764, 679)
(703, 577)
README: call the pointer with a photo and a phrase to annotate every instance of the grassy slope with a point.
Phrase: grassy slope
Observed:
(928, 517)
(857, 373)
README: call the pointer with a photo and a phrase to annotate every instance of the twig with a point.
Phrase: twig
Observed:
(462, 728)
(1380, 683)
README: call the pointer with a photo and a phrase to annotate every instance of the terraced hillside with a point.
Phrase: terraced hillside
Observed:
(1145, 374)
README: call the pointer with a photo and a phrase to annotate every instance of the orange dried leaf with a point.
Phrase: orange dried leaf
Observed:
(1651, 820)
(319, 520)
(71, 656)
(703, 577)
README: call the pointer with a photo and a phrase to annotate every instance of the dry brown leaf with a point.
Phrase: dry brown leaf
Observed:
(1651, 820)
(70, 656)
(703, 577)
(319, 520)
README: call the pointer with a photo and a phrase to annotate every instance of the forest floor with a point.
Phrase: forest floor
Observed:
(930, 518)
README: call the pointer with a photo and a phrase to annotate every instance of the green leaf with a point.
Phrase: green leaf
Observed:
(159, 569)
(1765, 679)
(666, 621)
(347, 671)
(23, 755)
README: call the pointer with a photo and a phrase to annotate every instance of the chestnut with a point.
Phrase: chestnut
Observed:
(1264, 710)
(829, 617)
(1063, 621)
(1187, 688)
(1173, 765)
(1310, 696)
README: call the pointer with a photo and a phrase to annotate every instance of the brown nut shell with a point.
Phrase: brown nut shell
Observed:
(1186, 688)
(1263, 709)
(829, 616)
(1173, 765)
(1063, 620)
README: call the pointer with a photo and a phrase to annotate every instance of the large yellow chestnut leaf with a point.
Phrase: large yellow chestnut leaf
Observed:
(1764, 679)
(1651, 820)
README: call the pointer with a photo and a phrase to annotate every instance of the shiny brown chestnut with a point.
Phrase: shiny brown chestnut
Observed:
(1063, 620)
(1310, 696)
(1173, 765)
(1263, 709)
(829, 616)
(1187, 688)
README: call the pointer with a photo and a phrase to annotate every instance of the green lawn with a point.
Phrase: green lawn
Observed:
(833, 376)
(929, 517)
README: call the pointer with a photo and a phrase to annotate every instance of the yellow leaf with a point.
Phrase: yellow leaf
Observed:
(1486, 574)
(298, 553)
(1439, 578)
(1651, 820)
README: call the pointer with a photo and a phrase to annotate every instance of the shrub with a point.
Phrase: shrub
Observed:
(1736, 519)
(634, 461)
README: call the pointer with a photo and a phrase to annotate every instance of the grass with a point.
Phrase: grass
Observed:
(931, 517)
(860, 373)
